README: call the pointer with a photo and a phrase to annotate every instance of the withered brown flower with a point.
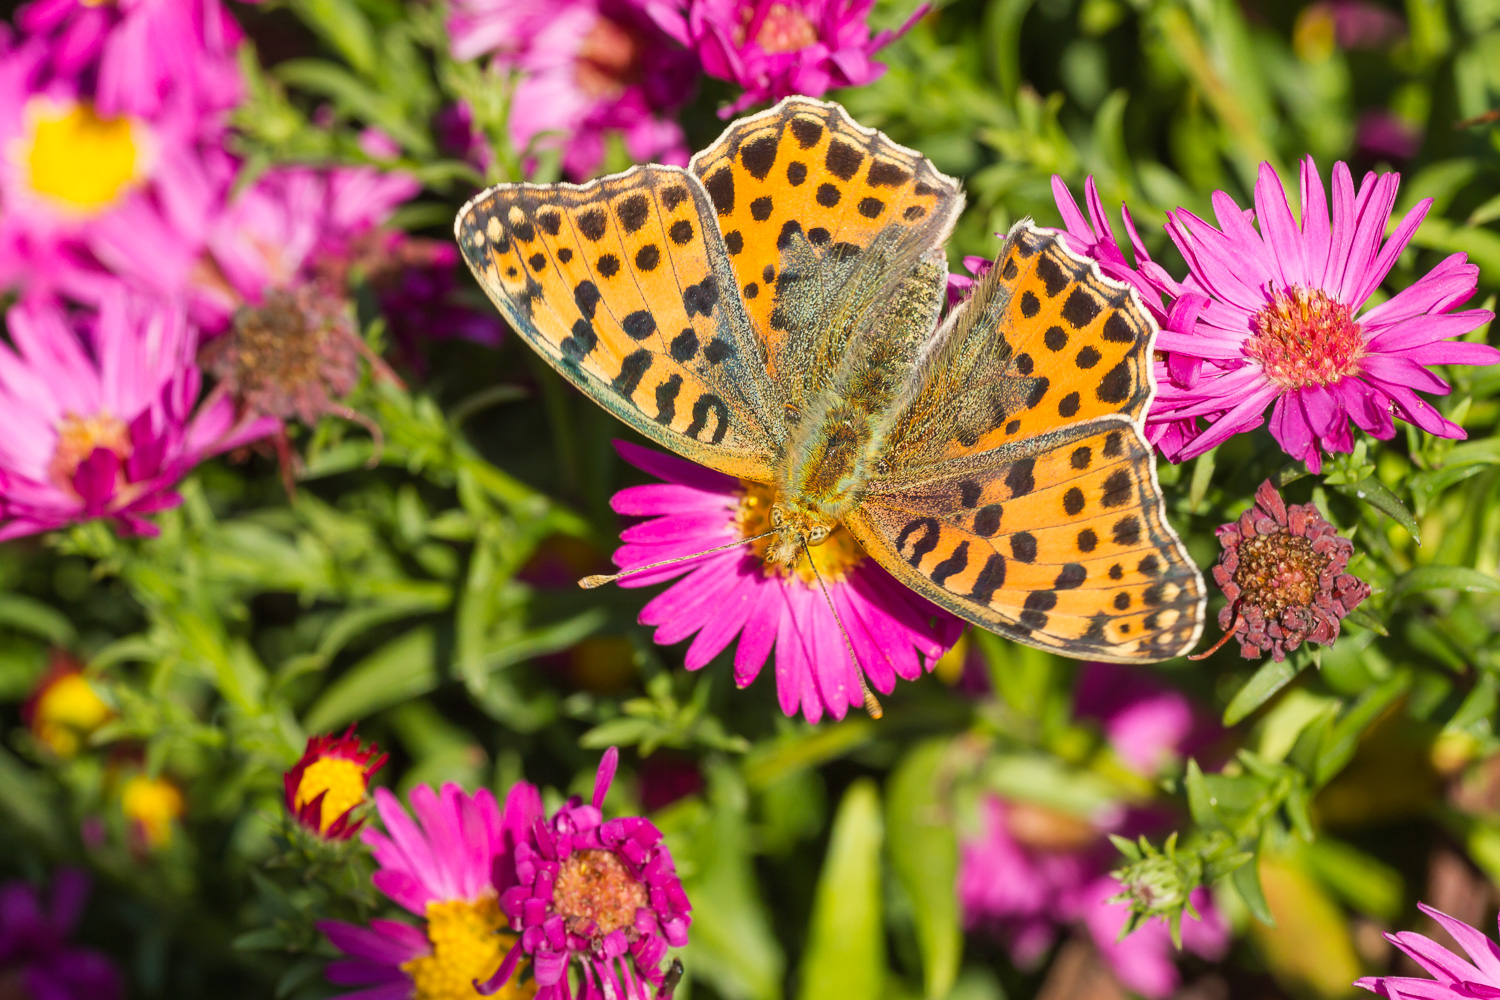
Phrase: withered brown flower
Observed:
(1284, 570)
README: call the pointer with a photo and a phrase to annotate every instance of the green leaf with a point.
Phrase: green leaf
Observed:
(1246, 882)
(1270, 678)
(1427, 578)
(846, 936)
(26, 614)
(1367, 884)
(1200, 799)
(341, 24)
(924, 856)
(732, 945)
(406, 667)
(1373, 492)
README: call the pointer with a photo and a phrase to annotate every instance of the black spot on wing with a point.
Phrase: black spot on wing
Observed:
(991, 578)
(666, 399)
(923, 545)
(632, 370)
(759, 156)
(843, 160)
(700, 299)
(807, 132)
(1019, 477)
(709, 404)
(886, 174)
(592, 222)
(633, 212)
(955, 563)
(720, 186)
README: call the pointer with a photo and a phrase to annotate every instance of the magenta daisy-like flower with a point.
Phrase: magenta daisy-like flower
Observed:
(142, 54)
(103, 430)
(895, 633)
(588, 69)
(601, 895)
(1031, 870)
(776, 48)
(1454, 977)
(442, 866)
(1286, 326)
(36, 958)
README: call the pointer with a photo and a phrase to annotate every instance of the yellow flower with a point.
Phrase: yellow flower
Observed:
(152, 805)
(65, 709)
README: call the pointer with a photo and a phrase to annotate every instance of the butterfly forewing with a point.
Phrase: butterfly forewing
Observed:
(1058, 541)
(624, 286)
(819, 216)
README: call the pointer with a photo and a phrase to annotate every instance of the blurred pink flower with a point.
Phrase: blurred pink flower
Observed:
(1381, 135)
(588, 69)
(443, 871)
(776, 48)
(603, 894)
(1032, 869)
(36, 958)
(1283, 325)
(143, 55)
(734, 593)
(1454, 977)
(102, 425)
(1359, 24)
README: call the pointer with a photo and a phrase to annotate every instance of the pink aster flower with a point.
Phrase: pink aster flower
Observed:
(735, 593)
(441, 866)
(1286, 324)
(1454, 977)
(588, 69)
(36, 957)
(142, 54)
(603, 894)
(776, 48)
(103, 425)
(1031, 870)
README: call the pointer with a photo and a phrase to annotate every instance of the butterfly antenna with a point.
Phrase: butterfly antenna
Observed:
(599, 580)
(872, 704)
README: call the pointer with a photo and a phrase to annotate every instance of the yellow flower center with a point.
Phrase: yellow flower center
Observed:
(838, 554)
(595, 887)
(77, 437)
(339, 780)
(152, 804)
(66, 712)
(468, 942)
(1305, 337)
(78, 160)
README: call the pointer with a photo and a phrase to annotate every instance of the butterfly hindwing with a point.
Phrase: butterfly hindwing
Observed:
(1058, 541)
(623, 285)
(1043, 342)
(820, 217)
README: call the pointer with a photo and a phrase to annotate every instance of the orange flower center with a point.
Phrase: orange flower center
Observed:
(609, 60)
(835, 557)
(784, 29)
(595, 887)
(77, 437)
(1305, 337)
(339, 780)
(468, 942)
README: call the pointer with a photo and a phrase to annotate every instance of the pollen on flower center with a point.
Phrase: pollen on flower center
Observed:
(468, 941)
(597, 895)
(78, 437)
(838, 554)
(784, 29)
(291, 356)
(1279, 571)
(77, 159)
(339, 780)
(1305, 337)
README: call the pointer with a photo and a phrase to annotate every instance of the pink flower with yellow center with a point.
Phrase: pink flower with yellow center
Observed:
(324, 788)
(738, 594)
(64, 709)
(103, 426)
(441, 864)
(776, 48)
(601, 896)
(1286, 323)
(587, 69)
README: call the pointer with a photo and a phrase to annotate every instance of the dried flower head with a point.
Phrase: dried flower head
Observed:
(1285, 573)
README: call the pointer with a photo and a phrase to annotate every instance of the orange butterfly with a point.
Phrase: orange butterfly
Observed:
(774, 312)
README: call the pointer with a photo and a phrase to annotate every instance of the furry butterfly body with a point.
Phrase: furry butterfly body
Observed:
(774, 312)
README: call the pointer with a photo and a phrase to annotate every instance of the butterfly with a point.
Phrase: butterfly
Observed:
(775, 311)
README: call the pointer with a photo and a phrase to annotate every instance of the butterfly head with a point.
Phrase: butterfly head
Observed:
(795, 526)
